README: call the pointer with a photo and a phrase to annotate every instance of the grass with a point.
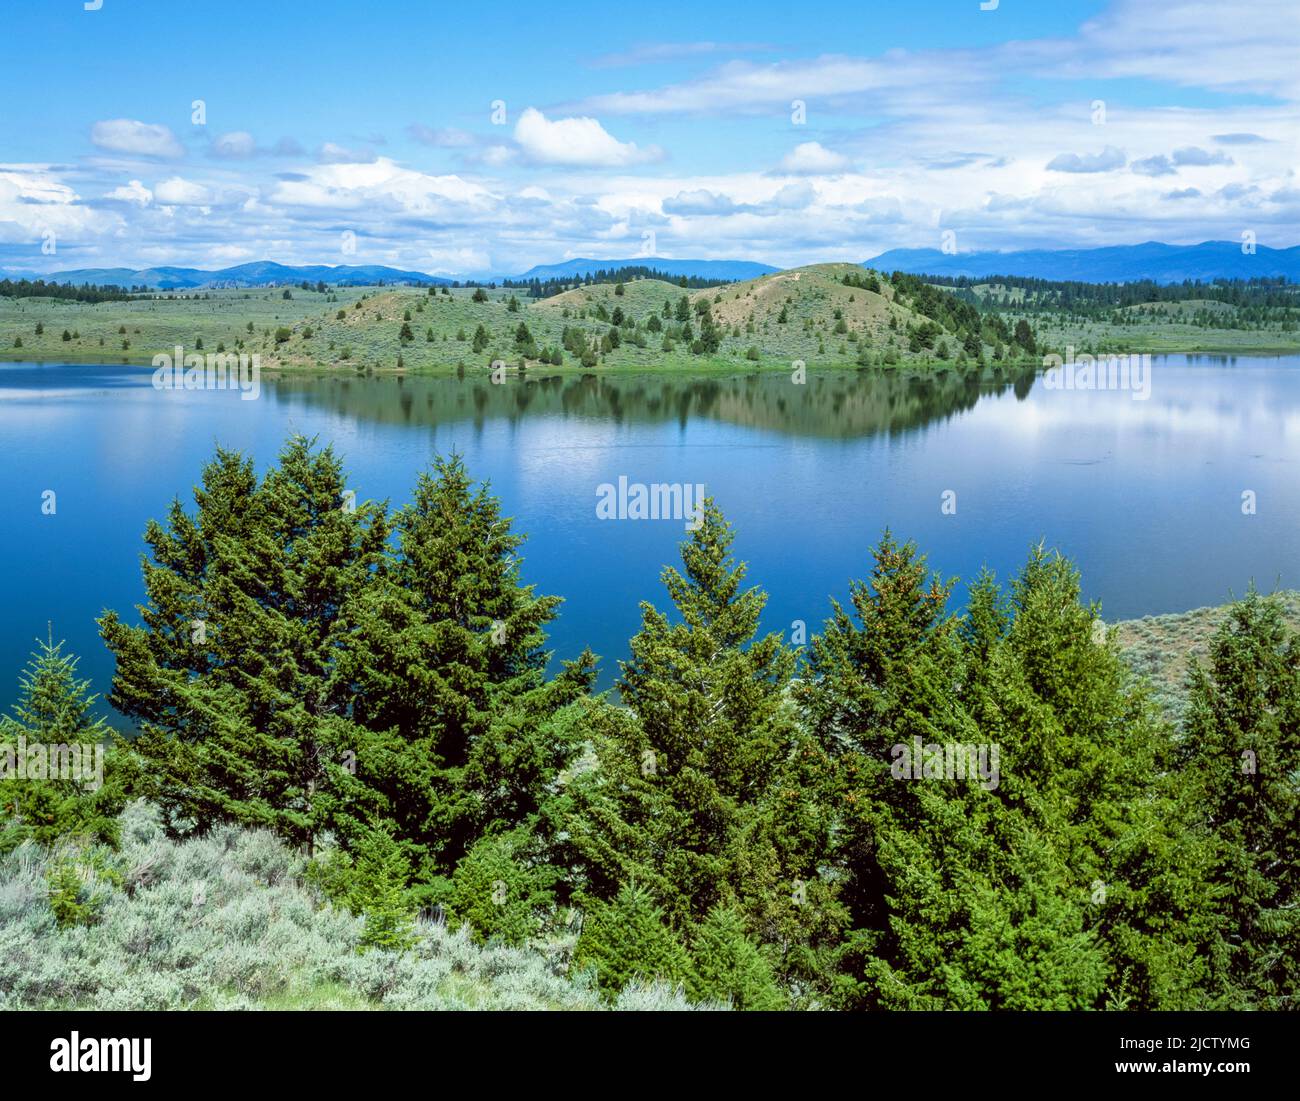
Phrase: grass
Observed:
(1160, 647)
(803, 315)
(368, 336)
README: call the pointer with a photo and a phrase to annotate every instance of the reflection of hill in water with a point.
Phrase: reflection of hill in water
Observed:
(839, 405)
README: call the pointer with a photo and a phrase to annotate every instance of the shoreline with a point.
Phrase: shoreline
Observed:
(706, 369)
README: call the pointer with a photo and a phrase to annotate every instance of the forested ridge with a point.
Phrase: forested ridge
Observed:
(372, 686)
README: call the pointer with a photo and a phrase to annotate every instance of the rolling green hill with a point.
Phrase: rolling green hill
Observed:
(823, 316)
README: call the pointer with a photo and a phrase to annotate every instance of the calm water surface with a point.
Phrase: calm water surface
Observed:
(1146, 496)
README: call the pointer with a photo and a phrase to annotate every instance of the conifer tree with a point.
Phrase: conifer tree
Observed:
(627, 939)
(53, 717)
(455, 722)
(1241, 753)
(956, 894)
(233, 678)
(683, 772)
(728, 966)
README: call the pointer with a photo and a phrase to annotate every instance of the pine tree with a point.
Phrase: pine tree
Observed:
(454, 720)
(503, 889)
(378, 892)
(956, 892)
(233, 679)
(682, 776)
(626, 939)
(1241, 753)
(54, 714)
(728, 967)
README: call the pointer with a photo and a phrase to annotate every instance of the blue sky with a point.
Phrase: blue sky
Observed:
(668, 129)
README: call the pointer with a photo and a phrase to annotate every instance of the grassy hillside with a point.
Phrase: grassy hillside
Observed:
(1189, 325)
(1160, 647)
(226, 922)
(807, 314)
(824, 315)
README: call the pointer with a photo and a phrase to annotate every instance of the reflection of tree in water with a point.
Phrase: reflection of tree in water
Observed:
(835, 404)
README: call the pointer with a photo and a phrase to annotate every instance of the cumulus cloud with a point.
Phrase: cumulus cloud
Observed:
(133, 192)
(812, 158)
(33, 199)
(698, 202)
(577, 142)
(179, 192)
(1195, 156)
(1107, 160)
(140, 138)
(795, 196)
(1159, 165)
(381, 183)
(1191, 155)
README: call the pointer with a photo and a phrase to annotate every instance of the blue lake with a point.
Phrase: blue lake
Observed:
(1145, 495)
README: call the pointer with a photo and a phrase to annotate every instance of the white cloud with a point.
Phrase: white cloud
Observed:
(812, 158)
(1158, 165)
(134, 192)
(34, 200)
(179, 192)
(1194, 156)
(673, 51)
(130, 136)
(332, 153)
(794, 196)
(698, 202)
(496, 156)
(384, 184)
(1107, 160)
(580, 142)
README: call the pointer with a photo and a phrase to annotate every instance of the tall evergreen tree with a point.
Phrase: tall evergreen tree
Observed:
(457, 725)
(957, 896)
(234, 678)
(1241, 752)
(53, 719)
(682, 772)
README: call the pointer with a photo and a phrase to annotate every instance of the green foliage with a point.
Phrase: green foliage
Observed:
(1242, 754)
(729, 966)
(501, 891)
(379, 893)
(626, 939)
(233, 678)
(758, 826)
(66, 894)
(679, 777)
(57, 789)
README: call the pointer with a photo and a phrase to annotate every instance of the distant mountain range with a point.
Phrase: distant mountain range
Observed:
(261, 273)
(1207, 261)
(267, 273)
(721, 270)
